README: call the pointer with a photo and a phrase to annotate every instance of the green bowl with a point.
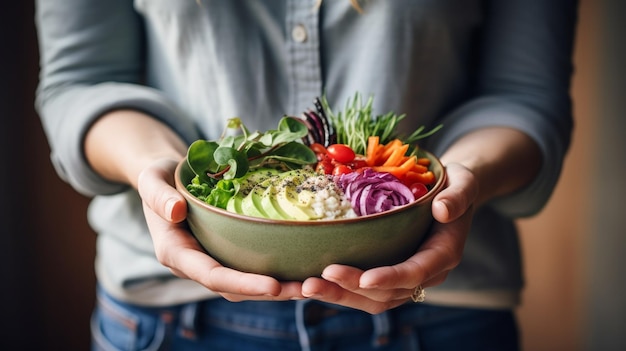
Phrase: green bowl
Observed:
(296, 250)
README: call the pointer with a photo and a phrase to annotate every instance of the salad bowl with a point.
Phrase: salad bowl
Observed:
(295, 250)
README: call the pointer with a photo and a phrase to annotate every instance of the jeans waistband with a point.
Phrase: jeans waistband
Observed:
(309, 313)
(301, 320)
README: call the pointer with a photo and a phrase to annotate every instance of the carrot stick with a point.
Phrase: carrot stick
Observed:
(396, 156)
(394, 170)
(391, 158)
(408, 165)
(390, 147)
(424, 161)
(373, 148)
(419, 168)
(426, 178)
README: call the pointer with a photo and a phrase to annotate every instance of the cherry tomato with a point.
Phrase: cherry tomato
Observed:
(341, 169)
(318, 148)
(418, 190)
(325, 165)
(341, 153)
(357, 163)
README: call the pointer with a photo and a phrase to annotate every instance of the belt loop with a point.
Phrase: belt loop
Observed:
(382, 328)
(303, 334)
(188, 317)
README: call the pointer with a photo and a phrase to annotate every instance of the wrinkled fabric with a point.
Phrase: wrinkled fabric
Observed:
(193, 64)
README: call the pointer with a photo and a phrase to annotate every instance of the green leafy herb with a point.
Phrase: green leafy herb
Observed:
(232, 156)
(356, 123)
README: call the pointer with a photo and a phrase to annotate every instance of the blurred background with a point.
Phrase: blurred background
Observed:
(575, 294)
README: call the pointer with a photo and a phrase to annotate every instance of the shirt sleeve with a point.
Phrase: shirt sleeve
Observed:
(523, 82)
(91, 62)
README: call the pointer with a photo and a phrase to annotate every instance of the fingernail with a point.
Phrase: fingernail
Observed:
(312, 296)
(169, 208)
(331, 278)
(442, 204)
(443, 208)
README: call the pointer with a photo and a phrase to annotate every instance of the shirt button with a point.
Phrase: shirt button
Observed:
(298, 33)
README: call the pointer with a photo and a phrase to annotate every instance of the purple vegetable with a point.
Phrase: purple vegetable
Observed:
(317, 126)
(372, 192)
(321, 130)
(331, 137)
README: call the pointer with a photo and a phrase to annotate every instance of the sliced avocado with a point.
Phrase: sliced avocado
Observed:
(240, 203)
(251, 204)
(234, 204)
(267, 193)
(271, 206)
(251, 179)
(295, 203)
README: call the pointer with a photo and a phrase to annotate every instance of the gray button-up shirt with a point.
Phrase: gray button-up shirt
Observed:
(193, 64)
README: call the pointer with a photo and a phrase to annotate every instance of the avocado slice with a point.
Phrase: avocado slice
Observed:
(271, 206)
(295, 203)
(251, 204)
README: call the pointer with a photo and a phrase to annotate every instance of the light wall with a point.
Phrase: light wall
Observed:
(574, 299)
(606, 288)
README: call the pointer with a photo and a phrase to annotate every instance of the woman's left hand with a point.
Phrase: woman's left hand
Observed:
(379, 289)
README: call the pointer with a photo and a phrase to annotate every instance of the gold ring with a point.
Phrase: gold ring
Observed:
(419, 294)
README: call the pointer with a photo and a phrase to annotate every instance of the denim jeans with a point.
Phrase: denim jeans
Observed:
(220, 325)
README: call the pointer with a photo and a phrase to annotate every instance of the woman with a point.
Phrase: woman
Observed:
(126, 86)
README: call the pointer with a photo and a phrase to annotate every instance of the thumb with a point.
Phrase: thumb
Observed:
(458, 196)
(155, 185)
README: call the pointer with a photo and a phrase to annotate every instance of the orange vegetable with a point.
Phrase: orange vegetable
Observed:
(419, 168)
(423, 161)
(394, 170)
(408, 164)
(391, 158)
(373, 149)
(396, 156)
(425, 178)
(390, 147)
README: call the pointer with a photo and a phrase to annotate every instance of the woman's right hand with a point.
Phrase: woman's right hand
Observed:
(130, 147)
(165, 210)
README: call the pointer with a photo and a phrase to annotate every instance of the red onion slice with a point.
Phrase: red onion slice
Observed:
(372, 192)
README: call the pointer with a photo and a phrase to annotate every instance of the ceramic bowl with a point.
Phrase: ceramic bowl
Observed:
(295, 250)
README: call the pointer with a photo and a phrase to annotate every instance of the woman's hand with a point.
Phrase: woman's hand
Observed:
(131, 147)
(383, 288)
(481, 165)
(165, 211)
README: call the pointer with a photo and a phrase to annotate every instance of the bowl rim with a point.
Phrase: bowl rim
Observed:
(426, 198)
